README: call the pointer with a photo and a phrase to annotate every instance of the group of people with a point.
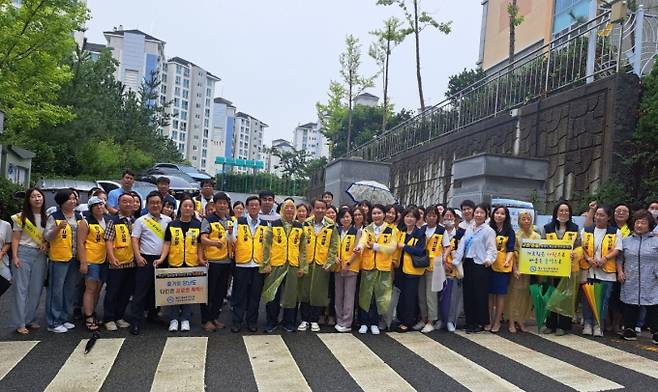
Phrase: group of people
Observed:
(413, 268)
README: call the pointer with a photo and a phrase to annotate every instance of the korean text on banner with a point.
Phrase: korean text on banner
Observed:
(179, 286)
(545, 257)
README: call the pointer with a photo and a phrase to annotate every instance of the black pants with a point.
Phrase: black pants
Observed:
(245, 298)
(632, 312)
(218, 277)
(309, 312)
(4, 285)
(144, 288)
(273, 308)
(555, 320)
(370, 317)
(407, 309)
(331, 309)
(119, 286)
(476, 293)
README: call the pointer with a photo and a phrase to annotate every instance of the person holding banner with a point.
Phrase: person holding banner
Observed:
(502, 267)
(601, 245)
(92, 253)
(321, 247)
(284, 260)
(63, 271)
(181, 249)
(561, 227)
(452, 295)
(215, 232)
(147, 240)
(377, 245)
(518, 301)
(29, 263)
(477, 251)
(121, 258)
(247, 279)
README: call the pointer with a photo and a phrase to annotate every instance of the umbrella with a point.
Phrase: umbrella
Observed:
(372, 191)
(563, 300)
(594, 294)
(539, 301)
(92, 341)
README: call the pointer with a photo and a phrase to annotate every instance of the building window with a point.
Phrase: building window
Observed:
(209, 91)
(181, 147)
(178, 80)
(182, 136)
(174, 135)
(194, 148)
(183, 126)
(177, 102)
(196, 137)
(205, 122)
(204, 153)
(186, 94)
(205, 133)
(179, 69)
(175, 124)
(183, 115)
(177, 91)
(186, 73)
(186, 83)
(205, 143)
(203, 163)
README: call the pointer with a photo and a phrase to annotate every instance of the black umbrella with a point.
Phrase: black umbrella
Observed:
(90, 344)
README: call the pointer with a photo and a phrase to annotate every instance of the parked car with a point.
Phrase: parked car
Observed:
(187, 169)
(177, 185)
(159, 171)
(50, 186)
(141, 187)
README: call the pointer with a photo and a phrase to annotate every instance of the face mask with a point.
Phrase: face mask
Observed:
(449, 223)
(654, 213)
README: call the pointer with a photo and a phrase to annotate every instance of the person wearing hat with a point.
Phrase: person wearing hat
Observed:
(92, 256)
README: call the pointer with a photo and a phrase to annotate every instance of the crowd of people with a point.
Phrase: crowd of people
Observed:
(361, 266)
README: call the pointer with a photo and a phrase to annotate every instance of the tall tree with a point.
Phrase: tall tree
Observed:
(331, 113)
(35, 41)
(387, 38)
(355, 84)
(417, 21)
(292, 163)
(515, 20)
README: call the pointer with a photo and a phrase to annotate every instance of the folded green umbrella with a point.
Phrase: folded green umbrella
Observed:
(539, 300)
(563, 299)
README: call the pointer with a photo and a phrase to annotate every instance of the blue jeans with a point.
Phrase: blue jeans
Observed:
(588, 316)
(62, 280)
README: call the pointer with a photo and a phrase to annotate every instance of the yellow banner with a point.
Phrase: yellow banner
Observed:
(545, 257)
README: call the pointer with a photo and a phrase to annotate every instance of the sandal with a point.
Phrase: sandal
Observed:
(92, 326)
(22, 331)
(33, 326)
(402, 328)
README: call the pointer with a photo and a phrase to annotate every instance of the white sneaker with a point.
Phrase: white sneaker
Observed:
(303, 326)
(58, 329)
(427, 328)
(451, 327)
(638, 330)
(173, 326)
(374, 330)
(340, 328)
(68, 325)
(587, 329)
(315, 327)
(185, 326)
(111, 326)
(419, 325)
(123, 324)
(438, 324)
(597, 331)
(363, 329)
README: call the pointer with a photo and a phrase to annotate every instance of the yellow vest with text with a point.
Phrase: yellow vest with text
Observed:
(217, 233)
(607, 246)
(317, 245)
(570, 234)
(346, 250)
(94, 243)
(285, 247)
(183, 247)
(451, 270)
(370, 259)
(501, 255)
(61, 247)
(407, 264)
(434, 246)
(249, 247)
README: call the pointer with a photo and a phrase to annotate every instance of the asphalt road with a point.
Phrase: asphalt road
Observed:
(320, 362)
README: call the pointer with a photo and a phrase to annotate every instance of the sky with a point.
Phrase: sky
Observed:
(276, 58)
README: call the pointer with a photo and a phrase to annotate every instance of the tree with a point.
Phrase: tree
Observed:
(465, 78)
(515, 20)
(330, 114)
(350, 62)
(293, 163)
(35, 41)
(417, 21)
(387, 38)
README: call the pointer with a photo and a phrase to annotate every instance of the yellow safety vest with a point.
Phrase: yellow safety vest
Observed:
(95, 244)
(285, 247)
(407, 264)
(370, 259)
(183, 247)
(501, 255)
(61, 247)
(217, 233)
(570, 234)
(123, 247)
(346, 250)
(249, 247)
(434, 246)
(317, 245)
(607, 246)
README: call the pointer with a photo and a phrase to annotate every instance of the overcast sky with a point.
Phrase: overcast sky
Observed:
(276, 58)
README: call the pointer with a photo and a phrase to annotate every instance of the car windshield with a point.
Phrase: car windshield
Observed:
(188, 169)
(144, 188)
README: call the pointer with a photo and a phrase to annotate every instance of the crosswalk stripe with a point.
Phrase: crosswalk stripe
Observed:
(182, 365)
(273, 366)
(459, 368)
(11, 353)
(365, 367)
(86, 372)
(604, 352)
(560, 371)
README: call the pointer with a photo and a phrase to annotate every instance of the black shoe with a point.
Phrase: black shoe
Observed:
(134, 329)
(252, 328)
(629, 334)
(235, 329)
(477, 329)
(655, 338)
(289, 328)
(270, 328)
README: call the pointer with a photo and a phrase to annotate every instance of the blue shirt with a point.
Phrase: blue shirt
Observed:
(113, 196)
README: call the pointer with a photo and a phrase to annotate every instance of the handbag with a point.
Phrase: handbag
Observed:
(420, 261)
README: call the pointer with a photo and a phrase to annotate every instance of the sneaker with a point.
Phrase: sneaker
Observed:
(185, 326)
(655, 338)
(111, 326)
(363, 329)
(438, 324)
(340, 328)
(315, 327)
(560, 332)
(68, 325)
(419, 325)
(288, 328)
(547, 331)
(587, 329)
(638, 330)
(451, 327)
(269, 328)
(303, 326)
(629, 334)
(58, 329)
(173, 326)
(427, 328)
(123, 323)
(374, 330)
(598, 332)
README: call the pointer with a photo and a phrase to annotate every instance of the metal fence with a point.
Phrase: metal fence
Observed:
(254, 183)
(596, 49)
